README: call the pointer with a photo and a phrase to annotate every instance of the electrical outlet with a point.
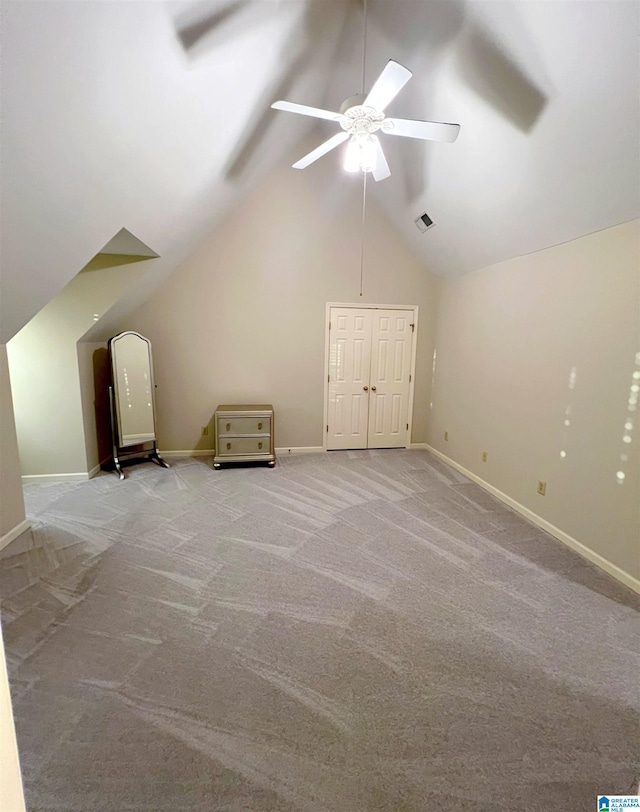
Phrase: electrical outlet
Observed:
(542, 488)
(205, 431)
(484, 456)
(446, 436)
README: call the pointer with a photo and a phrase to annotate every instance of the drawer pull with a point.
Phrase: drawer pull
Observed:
(228, 446)
(259, 445)
(228, 426)
(260, 429)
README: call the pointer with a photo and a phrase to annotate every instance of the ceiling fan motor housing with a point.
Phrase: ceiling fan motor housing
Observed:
(352, 101)
(357, 119)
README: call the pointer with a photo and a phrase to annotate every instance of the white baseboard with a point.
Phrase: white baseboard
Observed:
(81, 476)
(210, 452)
(604, 564)
(18, 530)
(420, 446)
(301, 449)
(192, 452)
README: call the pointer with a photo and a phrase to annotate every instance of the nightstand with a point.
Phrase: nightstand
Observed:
(244, 434)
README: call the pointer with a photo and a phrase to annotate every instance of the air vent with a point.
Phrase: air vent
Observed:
(424, 222)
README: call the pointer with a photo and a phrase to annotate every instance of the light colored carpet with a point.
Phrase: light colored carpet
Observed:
(349, 632)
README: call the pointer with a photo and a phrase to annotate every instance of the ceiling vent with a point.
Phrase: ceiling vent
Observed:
(424, 222)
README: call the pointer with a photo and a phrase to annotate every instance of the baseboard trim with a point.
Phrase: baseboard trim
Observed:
(75, 477)
(420, 446)
(210, 452)
(595, 558)
(18, 530)
(192, 452)
(301, 449)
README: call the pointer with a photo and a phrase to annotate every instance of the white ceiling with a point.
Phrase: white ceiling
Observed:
(109, 120)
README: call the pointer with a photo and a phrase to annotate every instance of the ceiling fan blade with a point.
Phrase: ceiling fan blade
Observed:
(382, 170)
(387, 86)
(199, 22)
(303, 110)
(427, 130)
(497, 78)
(263, 117)
(318, 152)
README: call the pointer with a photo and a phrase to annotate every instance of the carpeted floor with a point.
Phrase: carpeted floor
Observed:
(349, 632)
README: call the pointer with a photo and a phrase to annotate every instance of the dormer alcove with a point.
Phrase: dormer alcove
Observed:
(51, 364)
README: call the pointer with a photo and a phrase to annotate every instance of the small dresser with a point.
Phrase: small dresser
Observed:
(244, 434)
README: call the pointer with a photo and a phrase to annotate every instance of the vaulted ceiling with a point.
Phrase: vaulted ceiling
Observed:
(155, 116)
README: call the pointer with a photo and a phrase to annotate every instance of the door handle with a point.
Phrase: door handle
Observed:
(373, 389)
(366, 388)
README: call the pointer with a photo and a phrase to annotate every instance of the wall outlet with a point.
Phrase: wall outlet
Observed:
(484, 456)
(205, 431)
(446, 436)
(542, 488)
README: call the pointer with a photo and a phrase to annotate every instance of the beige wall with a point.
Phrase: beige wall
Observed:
(12, 515)
(48, 373)
(11, 796)
(243, 319)
(528, 344)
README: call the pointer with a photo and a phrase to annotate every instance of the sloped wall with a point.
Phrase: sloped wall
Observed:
(537, 365)
(107, 121)
(243, 319)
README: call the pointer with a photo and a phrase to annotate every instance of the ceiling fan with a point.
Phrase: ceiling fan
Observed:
(362, 116)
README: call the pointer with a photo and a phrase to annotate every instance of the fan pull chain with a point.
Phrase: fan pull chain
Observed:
(364, 174)
(364, 208)
(364, 45)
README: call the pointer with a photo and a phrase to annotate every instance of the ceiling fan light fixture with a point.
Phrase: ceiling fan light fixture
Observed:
(352, 156)
(361, 153)
(368, 153)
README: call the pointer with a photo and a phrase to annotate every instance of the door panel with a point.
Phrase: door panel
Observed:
(369, 365)
(391, 343)
(396, 413)
(349, 371)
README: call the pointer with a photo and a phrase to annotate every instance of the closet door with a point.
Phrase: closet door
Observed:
(391, 345)
(349, 370)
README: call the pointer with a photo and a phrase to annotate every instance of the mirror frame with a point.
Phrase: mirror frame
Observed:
(120, 449)
(113, 353)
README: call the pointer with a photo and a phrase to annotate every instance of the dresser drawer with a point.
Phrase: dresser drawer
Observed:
(233, 446)
(243, 425)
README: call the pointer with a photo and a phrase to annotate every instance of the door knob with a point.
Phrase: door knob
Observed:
(366, 388)
(373, 389)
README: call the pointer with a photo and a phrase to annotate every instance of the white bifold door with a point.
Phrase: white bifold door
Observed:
(370, 362)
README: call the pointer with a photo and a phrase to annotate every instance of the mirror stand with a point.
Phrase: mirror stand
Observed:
(120, 454)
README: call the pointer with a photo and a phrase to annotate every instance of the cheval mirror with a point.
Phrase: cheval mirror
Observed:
(132, 400)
